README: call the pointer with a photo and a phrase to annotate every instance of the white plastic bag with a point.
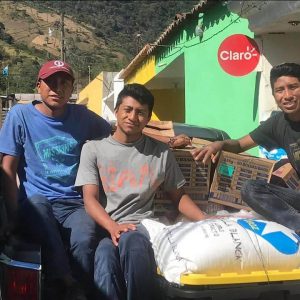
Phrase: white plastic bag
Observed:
(215, 246)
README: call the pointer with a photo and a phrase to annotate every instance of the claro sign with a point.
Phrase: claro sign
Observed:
(238, 55)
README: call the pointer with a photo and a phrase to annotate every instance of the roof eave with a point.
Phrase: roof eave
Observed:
(180, 18)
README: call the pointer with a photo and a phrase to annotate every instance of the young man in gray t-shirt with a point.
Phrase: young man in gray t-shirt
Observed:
(119, 176)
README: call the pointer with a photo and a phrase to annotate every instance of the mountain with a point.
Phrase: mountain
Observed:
(98, 35)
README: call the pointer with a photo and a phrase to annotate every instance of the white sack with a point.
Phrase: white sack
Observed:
(215, 246)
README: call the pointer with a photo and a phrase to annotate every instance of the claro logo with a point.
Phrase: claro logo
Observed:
(231, 55)
(238, 55)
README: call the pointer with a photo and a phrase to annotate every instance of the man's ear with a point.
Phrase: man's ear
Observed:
(115, 112)
(38, 84)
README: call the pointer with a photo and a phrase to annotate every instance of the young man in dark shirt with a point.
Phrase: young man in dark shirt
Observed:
(282, 130)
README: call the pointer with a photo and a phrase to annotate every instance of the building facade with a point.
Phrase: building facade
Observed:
(98, 95)
(202, 68)
(185, 72)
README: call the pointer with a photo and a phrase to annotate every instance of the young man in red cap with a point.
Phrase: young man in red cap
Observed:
(41, 143)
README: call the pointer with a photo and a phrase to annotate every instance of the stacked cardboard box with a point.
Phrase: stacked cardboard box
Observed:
(197, 176)
(223, 189)
(162, 128)
(199, 142)
(197, 182)
(231, 172)
(287, 176)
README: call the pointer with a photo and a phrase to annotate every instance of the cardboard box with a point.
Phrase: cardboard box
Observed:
(197, 181)
(162, 128)
(231, 172)
(195, 174)
(160, 124)
(161, 132)
(200, 142)
(287, 176)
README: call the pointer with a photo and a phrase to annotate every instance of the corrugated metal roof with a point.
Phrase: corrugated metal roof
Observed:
(179, 20)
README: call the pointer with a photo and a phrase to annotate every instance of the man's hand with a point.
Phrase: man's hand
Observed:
(117, 229)
(209, 152)
(179, 141)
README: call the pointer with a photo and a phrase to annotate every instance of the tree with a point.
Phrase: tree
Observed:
(2, 85)
(23, 76)
(2, 27)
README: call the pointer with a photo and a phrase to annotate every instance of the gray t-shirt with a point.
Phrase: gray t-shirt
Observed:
(128, 175)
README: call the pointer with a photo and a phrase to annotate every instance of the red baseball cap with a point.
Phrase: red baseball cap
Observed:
(53, 66)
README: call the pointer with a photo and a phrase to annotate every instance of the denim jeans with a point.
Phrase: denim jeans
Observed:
(273, 202)
(127, 271)
(68, 236)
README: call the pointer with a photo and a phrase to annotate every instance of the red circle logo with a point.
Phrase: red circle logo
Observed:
(238, 55)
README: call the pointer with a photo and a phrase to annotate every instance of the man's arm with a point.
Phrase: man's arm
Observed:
(186, 205)
(9, 167)
(212, 151)
(178, 141)
(101, 217)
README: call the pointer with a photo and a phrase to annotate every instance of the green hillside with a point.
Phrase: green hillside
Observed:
(98, 35)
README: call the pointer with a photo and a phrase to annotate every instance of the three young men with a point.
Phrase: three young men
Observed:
(41, 143)
(119, 176)
(280, 131)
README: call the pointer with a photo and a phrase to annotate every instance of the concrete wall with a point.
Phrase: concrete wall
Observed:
(169, 105)
(144, 72)
(92, 95)
(98, 95)
(108, 96)
(213, 97)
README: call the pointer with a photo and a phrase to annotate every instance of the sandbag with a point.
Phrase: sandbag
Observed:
(216, 246)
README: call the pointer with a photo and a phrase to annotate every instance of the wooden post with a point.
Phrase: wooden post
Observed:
(62, 28)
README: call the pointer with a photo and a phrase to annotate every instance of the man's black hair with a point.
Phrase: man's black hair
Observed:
(138, 92)
(285, 69)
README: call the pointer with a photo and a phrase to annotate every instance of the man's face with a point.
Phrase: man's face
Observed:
(286, 92)
(56, 90)
(132, 117)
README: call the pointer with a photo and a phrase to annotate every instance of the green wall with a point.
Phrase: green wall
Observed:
(166, 54)
(214, 98)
